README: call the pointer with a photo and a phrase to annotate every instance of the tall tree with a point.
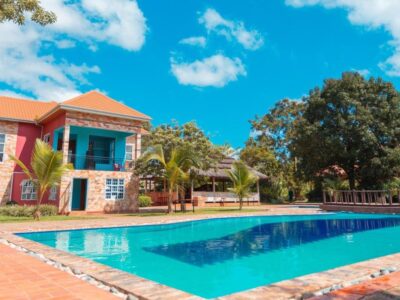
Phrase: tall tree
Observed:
(275, 130)
(15, 11)
(46, 170)
(173, 136)
(268, 150)
(260, 158)
(175, 169)
(352, 123)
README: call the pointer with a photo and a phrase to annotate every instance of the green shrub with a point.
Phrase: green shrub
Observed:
(144, 201)
(16, 211)
(27, 210)
(48, 210)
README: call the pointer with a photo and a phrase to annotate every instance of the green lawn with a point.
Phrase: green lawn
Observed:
(198, 211)
(8, 219)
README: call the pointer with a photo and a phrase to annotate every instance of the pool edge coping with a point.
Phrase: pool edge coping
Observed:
(297, 288)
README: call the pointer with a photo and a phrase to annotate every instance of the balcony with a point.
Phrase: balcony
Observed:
(99, 163)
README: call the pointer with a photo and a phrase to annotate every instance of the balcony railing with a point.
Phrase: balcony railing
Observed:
(99, 163)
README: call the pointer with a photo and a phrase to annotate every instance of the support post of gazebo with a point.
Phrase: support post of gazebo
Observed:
(191, 194)
(213, 187)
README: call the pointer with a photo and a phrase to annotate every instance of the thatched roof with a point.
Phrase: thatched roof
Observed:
(220, 170)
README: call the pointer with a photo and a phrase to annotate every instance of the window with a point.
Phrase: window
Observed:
(53, 193)
(115, 189)
(2, 144)
(46, 138)
(129, 152)
(28, 190)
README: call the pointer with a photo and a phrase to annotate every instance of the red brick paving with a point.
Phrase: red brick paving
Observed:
(24, 277)
(385, 287)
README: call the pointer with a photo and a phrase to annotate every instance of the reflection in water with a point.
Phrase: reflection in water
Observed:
(267, 237)
(94, 242)
(62, 241)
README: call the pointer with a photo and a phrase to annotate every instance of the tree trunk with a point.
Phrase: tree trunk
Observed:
(352, 179)
(170, 195)
(240, 203)
(36, 212)
(183, 202)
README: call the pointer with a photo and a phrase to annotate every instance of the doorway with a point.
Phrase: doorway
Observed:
(79, 194)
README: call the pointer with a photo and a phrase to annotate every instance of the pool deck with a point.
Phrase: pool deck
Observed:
(24, 277)
(137, 287)
(385, 287)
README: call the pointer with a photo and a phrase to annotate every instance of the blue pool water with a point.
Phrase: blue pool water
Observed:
(216, 257)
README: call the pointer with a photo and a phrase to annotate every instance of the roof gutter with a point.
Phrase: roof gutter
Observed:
(17, 120)
(92, 111)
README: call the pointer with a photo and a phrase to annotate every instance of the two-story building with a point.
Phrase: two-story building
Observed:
(101, 137)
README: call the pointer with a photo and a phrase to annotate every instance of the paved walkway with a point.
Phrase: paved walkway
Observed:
(382, 288)
(25, 277)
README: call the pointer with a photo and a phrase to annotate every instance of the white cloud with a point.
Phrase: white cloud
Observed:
(372, 14)
(214, 22)
(362, 72)
(29, 63)
(13, 94)
(216, 71)
(65, 44)
(121, 22)
(199, 41)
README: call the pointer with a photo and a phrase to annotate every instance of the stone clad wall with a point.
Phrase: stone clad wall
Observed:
(136, 141)
(96, 201)
(7, 166)
(102, 122)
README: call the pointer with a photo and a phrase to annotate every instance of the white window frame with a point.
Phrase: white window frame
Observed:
(114, 189)
(132, 152)
(46, 138)
(53, 193)
(28, 190)
(3, 155)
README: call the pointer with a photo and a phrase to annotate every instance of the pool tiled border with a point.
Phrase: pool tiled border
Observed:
(298, 288)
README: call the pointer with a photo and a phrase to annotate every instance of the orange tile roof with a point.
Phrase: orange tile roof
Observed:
(23, 109)
(96, 101)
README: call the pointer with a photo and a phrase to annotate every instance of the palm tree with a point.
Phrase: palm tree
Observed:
(242, 180)
(47, 170)
(175, 169)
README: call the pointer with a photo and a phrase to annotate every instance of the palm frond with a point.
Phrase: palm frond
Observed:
(22, 166)
(242, 179)
(154, 153)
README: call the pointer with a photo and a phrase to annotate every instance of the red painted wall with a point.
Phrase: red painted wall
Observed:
(27, 135)
(52, 125)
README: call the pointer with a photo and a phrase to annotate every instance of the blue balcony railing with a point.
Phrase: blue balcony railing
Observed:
(99, 163)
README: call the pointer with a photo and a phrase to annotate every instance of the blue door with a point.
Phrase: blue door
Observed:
(79, 193)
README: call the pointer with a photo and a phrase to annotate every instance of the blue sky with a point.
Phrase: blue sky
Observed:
(217, 62)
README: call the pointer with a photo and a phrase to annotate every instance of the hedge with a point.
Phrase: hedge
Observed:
(27, 210)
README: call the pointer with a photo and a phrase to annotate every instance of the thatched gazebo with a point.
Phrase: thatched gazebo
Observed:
(216, 190)
(213, 191)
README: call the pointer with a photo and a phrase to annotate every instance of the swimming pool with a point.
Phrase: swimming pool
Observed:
(216, 257)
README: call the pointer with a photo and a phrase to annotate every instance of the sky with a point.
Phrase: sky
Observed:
(219, 63)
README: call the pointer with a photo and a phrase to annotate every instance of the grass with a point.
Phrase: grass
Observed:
(198, 211)
(8, 219)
